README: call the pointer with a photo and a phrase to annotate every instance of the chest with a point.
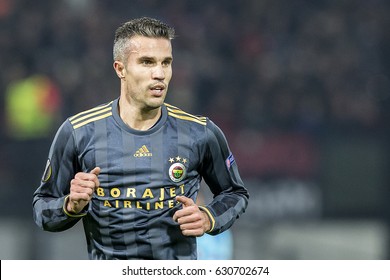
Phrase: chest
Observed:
(166, 157)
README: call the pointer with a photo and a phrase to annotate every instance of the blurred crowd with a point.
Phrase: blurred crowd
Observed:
(258, 64)
(255, 67)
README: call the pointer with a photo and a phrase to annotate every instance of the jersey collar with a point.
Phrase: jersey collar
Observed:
(120, 122)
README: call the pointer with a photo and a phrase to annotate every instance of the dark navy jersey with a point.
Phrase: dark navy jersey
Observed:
(130, 214)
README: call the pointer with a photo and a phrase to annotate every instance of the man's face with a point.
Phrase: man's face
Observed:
(148, 71)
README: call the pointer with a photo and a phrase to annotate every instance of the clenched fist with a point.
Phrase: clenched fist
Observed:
(192, 220)
(82, 187)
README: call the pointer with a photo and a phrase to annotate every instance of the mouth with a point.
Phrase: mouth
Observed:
(157, 89)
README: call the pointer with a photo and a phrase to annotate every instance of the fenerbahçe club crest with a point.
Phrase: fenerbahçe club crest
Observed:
(177, 170)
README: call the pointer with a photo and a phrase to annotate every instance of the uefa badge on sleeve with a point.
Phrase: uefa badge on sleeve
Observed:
(229, 161)
(48, 171)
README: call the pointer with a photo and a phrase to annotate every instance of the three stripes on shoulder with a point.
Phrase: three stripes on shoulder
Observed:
(105, 111)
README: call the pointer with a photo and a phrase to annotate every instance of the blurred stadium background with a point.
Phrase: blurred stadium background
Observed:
(301, 89)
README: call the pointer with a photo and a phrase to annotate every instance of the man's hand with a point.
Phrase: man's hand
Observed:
(192, 221)
(82, 188)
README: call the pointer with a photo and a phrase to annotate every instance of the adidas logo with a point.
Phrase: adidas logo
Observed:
(143, 152)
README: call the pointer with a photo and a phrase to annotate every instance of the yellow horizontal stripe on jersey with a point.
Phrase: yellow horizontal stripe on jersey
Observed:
(212, 220)
(73, 215)
(91, 110)
(74, 121)
(92, 120)
(197, 120)
(178, 111)
(170, 106)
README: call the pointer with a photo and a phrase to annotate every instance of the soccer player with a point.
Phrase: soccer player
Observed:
(130, 169)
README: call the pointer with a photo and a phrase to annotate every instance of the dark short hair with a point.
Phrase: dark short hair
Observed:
(145, 26)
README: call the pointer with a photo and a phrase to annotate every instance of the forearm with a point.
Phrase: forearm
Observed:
(49, 214)
(224, 210)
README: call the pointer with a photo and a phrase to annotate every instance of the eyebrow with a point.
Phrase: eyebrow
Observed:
(169, 58)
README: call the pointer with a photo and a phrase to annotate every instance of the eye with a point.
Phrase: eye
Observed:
(146, 62)
(167, 62)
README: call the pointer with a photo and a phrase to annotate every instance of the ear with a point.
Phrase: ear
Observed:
(119, 69)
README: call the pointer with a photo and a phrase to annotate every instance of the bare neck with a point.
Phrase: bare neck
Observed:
(138, 118)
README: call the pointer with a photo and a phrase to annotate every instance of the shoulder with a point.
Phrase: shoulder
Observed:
(201, 126)
(92, 115)
(177, 113)
(201, 122)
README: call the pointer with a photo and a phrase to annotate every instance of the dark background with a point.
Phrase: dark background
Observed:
(300, 88)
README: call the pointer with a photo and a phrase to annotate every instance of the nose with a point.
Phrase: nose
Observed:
(158, 73)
